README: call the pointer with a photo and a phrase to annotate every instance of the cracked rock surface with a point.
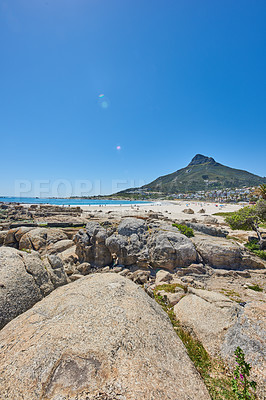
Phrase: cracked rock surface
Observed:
(102, 337)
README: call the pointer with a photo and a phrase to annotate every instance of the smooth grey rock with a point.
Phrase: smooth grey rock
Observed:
(100, 337)
(55, 261)
(55, 267)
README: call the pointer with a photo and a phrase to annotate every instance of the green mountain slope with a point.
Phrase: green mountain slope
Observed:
(203, 173)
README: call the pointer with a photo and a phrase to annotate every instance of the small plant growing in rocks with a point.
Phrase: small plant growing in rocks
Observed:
(243, 388)
(185, 230)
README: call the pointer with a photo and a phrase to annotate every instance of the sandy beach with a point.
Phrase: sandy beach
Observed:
(172, 209)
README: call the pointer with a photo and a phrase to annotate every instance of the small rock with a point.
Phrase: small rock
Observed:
(55, 261)
(141, 277)
(188, 211)
(84, 268)
(162, 277)
(210, 220)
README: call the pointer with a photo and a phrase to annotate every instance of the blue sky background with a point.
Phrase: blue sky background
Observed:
(179, 77)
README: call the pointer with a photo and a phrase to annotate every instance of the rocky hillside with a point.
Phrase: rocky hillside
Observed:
(203, 173)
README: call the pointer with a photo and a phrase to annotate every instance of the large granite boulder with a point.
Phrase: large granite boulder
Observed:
(39, 238)
(170, 250)
(130, 226)
(101, 337)
(128, 250)
(34, 239)
(223, 253)
(24, 280)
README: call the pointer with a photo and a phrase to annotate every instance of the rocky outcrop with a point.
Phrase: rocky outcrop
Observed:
(226, 254)
(130, 226)
(70, 260)
(24, 280)
(90, 245)
(134, 243)
(89, 340)
(156, 244)
(209, 219)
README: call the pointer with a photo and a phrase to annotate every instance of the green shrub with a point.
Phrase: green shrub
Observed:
(253, 245)
(255, 248)
(185, 230)
(260, 253)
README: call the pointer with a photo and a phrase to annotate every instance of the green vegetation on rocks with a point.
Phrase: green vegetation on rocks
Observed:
(242, 386)
(256, 288)
(255, 248)
(185, 230)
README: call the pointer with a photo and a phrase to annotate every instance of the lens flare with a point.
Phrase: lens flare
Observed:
(118, 147)
(103, 101)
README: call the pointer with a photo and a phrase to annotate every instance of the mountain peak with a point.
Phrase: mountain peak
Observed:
(200, 159)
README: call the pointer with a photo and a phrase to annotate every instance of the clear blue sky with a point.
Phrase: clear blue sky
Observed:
(179, 77)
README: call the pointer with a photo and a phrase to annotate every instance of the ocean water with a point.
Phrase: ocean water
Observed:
(69, 202)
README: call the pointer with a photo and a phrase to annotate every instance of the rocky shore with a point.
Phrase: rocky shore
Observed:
(76, 321)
